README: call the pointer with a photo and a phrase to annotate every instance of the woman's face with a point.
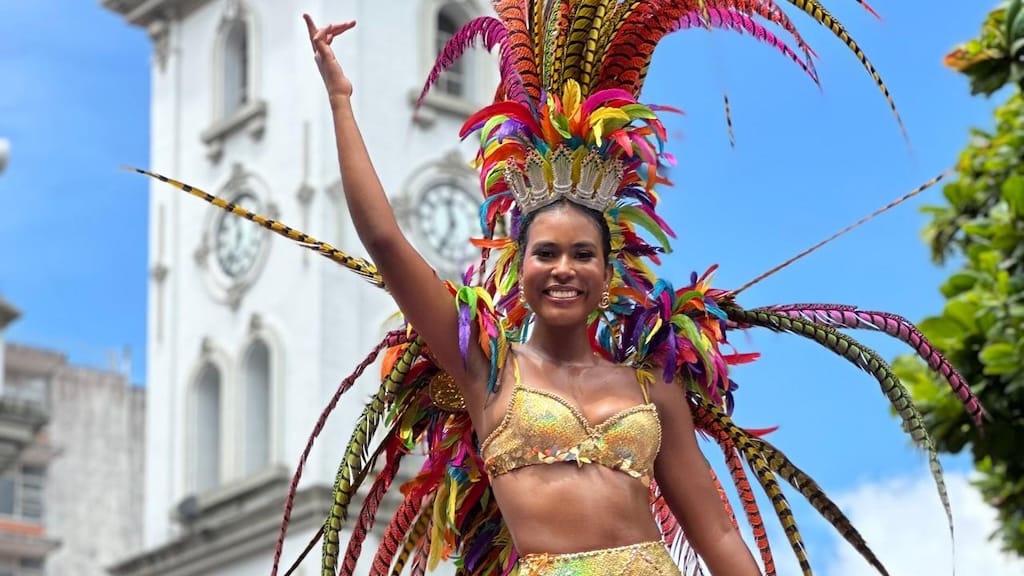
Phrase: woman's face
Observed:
(564, 273)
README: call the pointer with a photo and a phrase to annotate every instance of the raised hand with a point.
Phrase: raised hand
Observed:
(330, 69)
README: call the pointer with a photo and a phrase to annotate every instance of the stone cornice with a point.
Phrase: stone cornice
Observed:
(252, 532)
(144, 12)
(243, 520)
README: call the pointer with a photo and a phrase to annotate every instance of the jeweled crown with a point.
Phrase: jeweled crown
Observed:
(590, 181)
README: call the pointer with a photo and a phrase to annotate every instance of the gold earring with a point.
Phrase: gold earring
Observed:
(606, 301)
(522, 295)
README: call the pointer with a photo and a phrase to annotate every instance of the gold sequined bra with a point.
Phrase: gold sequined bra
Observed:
(541, 427)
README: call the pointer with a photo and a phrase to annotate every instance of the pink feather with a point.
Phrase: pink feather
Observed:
(740, 22)
(491, 32)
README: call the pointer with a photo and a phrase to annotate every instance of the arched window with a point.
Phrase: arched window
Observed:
(207, 429)
(256, 421)
(453, 80)
(235, 92)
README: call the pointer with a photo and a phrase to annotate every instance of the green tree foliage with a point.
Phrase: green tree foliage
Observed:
(981, 329)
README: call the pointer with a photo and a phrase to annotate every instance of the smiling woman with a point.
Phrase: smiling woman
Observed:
(558, 399)
(560, 352)
(565, 268)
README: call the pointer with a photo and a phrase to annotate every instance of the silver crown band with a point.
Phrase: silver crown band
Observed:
(542, 181)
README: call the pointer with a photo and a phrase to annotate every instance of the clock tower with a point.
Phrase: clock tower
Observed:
(249, 334)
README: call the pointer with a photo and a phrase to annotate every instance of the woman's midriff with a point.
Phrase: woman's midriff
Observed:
(564, 508)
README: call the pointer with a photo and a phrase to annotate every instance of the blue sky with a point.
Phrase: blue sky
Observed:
(74, 104)
(807, 162)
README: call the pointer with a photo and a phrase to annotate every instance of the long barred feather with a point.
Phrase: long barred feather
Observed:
(724, 497)
(594, 40)
(731, 436)
(348, 478)
(392, 339)
(845, 316)
(810, 489)
(609, 29)
(368, 514)
(705, 421)
(740, 22)
(358, 265)
(815, 10)
(771, 12)
(581, 42)
(633, 44)
(355, 456)
(783, 511)
(391, 543)
(750, 506)
(513, 14)
(538, 16)
(868, 360)
(556, 20)
(415, 537)
(671, 530)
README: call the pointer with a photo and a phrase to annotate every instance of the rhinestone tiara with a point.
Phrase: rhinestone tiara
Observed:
(543, 181)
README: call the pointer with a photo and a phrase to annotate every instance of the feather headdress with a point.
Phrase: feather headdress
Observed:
(567, 123)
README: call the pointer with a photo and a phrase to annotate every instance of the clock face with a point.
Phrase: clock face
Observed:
(237, 240)
(448, 216)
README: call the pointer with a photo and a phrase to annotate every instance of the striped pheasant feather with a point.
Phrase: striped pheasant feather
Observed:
(513, 13)
(618, 14)
(799, 480)
(815, 10)
(400, 525)
(714, 420)
(368, 514)
(357, 265)
(556, 31)
(671, 530)
(845, 316)
(739, 22)
(415, 538)
(581, 47)
(868, 360)
(770, 12)
(704, 419)
(355, 460)
(393, 338)
(538, 17)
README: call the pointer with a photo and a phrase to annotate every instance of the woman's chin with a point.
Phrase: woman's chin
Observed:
(562, 315)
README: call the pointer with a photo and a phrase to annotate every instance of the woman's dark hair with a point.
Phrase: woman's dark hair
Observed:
(596, 217)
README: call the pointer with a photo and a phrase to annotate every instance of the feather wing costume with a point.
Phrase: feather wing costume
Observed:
(571, 72)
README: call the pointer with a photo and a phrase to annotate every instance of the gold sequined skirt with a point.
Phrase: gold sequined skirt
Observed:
(645, 559)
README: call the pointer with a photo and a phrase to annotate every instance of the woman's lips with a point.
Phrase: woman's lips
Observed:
(563, 295)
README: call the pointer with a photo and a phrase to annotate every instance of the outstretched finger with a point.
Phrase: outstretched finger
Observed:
(313, 32)
(339, 29)
(310, 25)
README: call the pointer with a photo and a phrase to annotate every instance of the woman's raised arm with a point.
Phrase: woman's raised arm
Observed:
(420, 295)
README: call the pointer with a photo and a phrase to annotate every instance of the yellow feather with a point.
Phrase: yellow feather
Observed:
(605, 120)
(579, 31)
(438, 527)
(591, 49)
(572, 97)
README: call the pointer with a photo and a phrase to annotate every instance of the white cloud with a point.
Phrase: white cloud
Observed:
(903, 522)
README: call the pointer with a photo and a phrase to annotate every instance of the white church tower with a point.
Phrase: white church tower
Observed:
(249, 334)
